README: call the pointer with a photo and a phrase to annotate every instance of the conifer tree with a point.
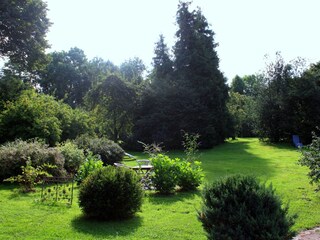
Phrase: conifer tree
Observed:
(196, 67)
(188, 93)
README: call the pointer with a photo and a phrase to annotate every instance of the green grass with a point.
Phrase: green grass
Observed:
(171, 217)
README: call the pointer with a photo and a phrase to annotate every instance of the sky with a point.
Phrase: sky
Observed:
(246, 30)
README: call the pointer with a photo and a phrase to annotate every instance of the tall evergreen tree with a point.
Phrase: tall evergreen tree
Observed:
(196, 67)
(162, 63)
(189, 93)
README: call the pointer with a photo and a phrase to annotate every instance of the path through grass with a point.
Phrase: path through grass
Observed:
(172, 217)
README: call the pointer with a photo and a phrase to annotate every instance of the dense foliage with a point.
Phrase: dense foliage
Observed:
(188, 93)
(113, 101)
(73, 156)
(170, 174)
(185, 89)
(30, 176)
(90, 164)
(14, 155)
(67, 76)
(289, 102)
(165, 173)
(311, 158)
(109, 151)
(238, 207)
(190, 175)
(37, 115)
(111, 193)
(23, 29)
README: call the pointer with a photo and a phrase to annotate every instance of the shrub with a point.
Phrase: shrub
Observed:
(190, 144)
(190, 175)
(30, 176)
(109, 151)
(165, 173)
(311, 159)
(73, 156)
(90, 164)
(111, 193)
(238, 207)
(13, 155)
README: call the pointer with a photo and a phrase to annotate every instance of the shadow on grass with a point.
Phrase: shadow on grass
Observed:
(282, 146)
(242, 156)
(104, 229)
(158, 199)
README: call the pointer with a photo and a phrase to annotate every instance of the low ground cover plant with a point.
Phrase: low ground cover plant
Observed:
(111, 193)
(239, 207)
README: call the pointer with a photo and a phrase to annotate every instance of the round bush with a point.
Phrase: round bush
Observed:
(111, 193)
(73, 156)
(238, 207)
(109, 151)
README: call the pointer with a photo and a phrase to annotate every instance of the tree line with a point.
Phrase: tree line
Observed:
(60, 95)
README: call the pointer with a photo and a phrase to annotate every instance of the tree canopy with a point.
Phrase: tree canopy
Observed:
(23, 28)
(189, 92)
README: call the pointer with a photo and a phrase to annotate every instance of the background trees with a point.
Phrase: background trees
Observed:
(67, 76)
(23, 28)
(34, 115)
(289, 101)
(185, 90)
(113, 102)
(188, 93)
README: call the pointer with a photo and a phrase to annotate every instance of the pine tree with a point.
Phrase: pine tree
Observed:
(162, 64)
(197, 68)
(188, 93)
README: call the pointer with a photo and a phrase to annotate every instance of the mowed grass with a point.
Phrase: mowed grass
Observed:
(167, 217)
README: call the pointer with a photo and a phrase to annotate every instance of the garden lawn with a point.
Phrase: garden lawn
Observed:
(22, 216)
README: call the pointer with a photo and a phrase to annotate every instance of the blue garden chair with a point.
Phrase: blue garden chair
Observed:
(296, 141)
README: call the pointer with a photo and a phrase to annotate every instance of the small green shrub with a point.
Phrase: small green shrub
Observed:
(30, 176)
(13, 155)
(238, 207)
(109, 151)
(190, 175)
(311, 159)
(111, 193)
(90, 164)
(73, 156)
(165, 173)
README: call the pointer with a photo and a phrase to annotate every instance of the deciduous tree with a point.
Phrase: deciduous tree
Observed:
(23, 28)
